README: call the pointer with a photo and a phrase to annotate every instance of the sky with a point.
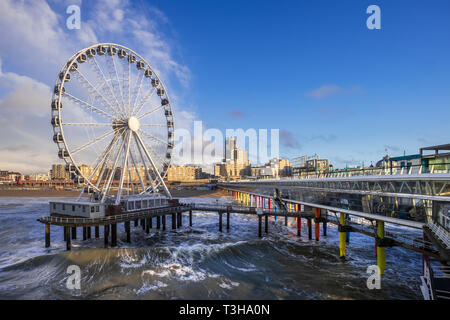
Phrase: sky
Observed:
(311, 69)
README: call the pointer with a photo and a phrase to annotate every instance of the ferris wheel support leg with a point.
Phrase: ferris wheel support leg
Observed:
(166, 190)
(124, 169)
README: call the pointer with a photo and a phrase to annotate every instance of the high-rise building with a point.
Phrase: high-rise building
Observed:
(230, 146)
(59, 172)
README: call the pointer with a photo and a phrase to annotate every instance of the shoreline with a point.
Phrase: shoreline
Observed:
(69, 194)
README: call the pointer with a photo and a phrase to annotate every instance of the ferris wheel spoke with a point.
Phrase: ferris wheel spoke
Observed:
(113, 73)
(154, 125)
(85, 124)
(126, 74)
(144, 99)
(137, 171)
(101, 77)
(93, 92)
(88, 106)
(92, 142)
(107, 184)
(105, 159)
(124, 168)
(147, 170)
(138, 137)
(136, 93)
(150, 112)
(150, 136)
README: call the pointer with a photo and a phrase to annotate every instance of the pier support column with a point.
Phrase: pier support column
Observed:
(381, 251)
(147, 226)
(259, 226)
(164, 222)
(150, 222)
(88, 232)
(342, 237)
(266, 223)
(106, 235)
(47, 235)
(347, 234)
(309, 229)
(64, 233)
(180, 217)
(174, 221)
(158, 222)
(220, 221)
(97, 232)
(84, 233)
(317, 224)
(127, 230)
(67, 233)
(228, 220)
(143, 224)
(74, 233)
(135, 223)
(190, 218)
(299, 226)
(113, 235)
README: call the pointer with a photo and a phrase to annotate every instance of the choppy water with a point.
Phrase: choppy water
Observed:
(193, 263)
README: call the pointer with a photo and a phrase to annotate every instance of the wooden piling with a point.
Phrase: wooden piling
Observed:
(143, 224)
(84, 233)
(164, 222)
(74, 233)
(158, 222)
(68, 242)
(317, 224)
(47, 235)
(97, 232)
(147, 225)
(127, 230)
(285, 221)
(174, 222)
(266, 223)
(106, 235)
(181, 218)
(228, 220)
(150, 222)
(309, 228)
(67, 233)
(136, 223)
(89, 232)
(113, 235)
(259, 226)
(220, 221)
(190, 218)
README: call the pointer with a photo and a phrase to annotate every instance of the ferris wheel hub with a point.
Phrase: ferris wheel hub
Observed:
(134, 124)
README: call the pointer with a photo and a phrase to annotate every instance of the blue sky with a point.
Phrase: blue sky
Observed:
(391, 86)
(309, 68)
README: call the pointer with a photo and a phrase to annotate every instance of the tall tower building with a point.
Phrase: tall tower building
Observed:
(230, 145)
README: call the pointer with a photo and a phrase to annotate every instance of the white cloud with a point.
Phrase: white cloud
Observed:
(35, 46)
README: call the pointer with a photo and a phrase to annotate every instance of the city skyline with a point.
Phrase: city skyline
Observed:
(332, 86)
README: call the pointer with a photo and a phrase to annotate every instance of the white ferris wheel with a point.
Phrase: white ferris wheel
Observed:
(113, 123)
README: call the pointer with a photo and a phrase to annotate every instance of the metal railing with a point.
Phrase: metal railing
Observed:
(345, 173)
(440, 233)
(111, 219)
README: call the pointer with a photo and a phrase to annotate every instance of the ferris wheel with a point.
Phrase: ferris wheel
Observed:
(112, 122)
